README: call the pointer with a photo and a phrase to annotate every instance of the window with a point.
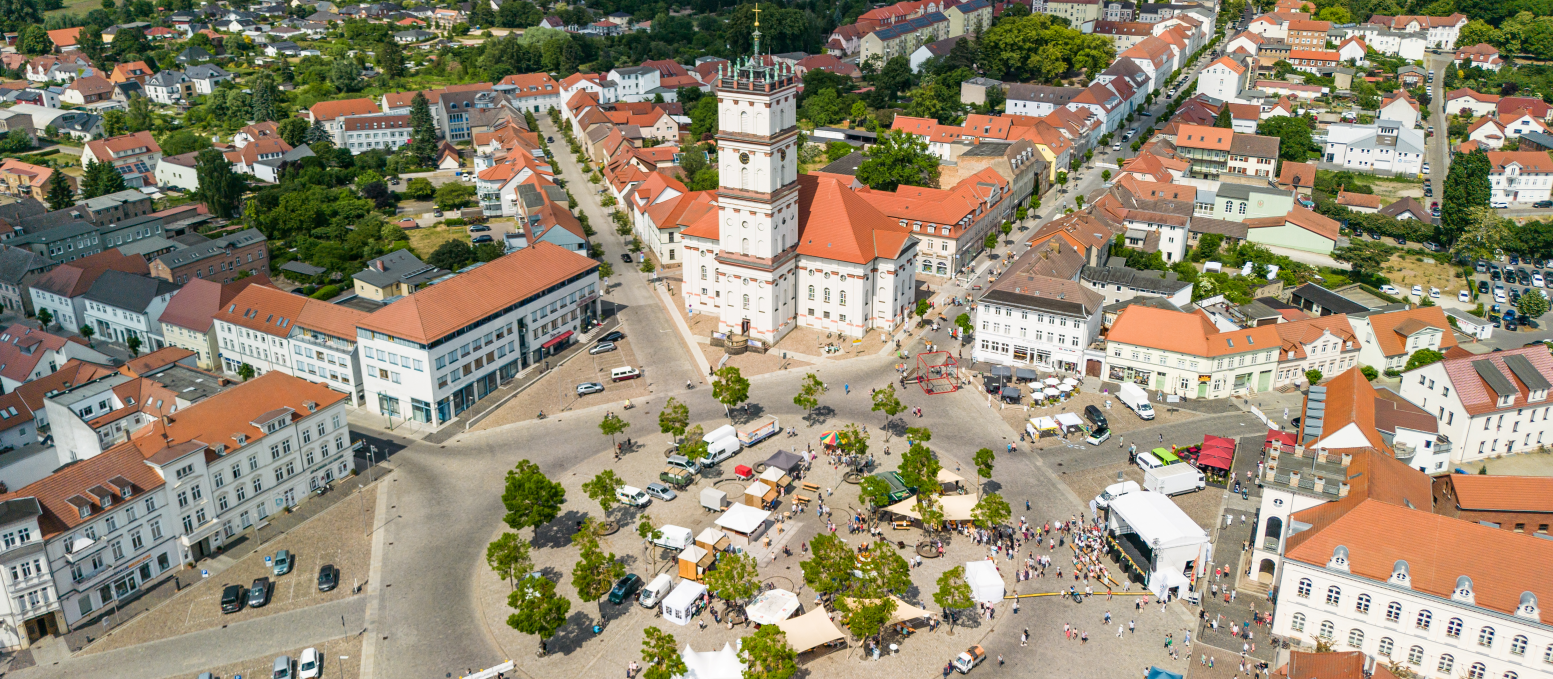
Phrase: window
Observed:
(1518, 645)
(1334, 595)
(1453, 628)
(1327, 629)
(1363, 604)
(1393, 612)
(1446, 663)
(1486, 637)
(1424, 618)
(1356, 638)
(156, 530)
(1304, 589)
(1386, 646)
(1478, 671)
(1298, 624)
(1415, 655)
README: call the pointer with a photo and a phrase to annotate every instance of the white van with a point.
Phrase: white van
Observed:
(721, 449)
(625, 373)
(631, 495)
(655, 590)
(720, 433)
(1147, 461)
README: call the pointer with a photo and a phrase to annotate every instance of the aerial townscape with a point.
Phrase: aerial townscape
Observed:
(518, 338)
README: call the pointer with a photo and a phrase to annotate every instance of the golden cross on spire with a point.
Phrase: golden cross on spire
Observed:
(757, 15)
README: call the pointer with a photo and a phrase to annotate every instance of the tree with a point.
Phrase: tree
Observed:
(532, 499)
(612, 425)
(508, 555)
(595, 572)
(919, 468)
(647, 265)
(963, 322)
(294, 131)
(767, 655)
(1368, 372)
(1483, 233)
(134, 345)
(899, 158)
(245, 372)
(265, 96)
(1466, 188)
(1364, 257)
(1039, 47)
(953, 593)
(885, 400)
(45, 317)
(1313, 376)
(60, 195)
(1223, 120)
(419, 188)
(451, 255)
(219, 187)
(875, 491)
(87, 332)
(34, 41)
(100, 179)
(345, 75)
(735, 579)
(1424, 357)
(693, 447)
(990, 511)
(1294, 133)
(661, 653)
(674, 418)
(540, 610)
(423, 132)
(809, 392)
(730, 388)
(454, 195)
(316, 133)
(1532, 305)
(983, 461)
(390, 59)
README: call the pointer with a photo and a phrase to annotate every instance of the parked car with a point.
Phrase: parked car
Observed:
(602, 348)
(282, 668)
(589, 388)
(1418, 291)
(660, 491)
(1401, 240)
(624, 588)
(479, 228)
(1095, 417)
(613, 336)
(310, 665)
(625, 257)
(232, 599)
(685, 463)
(1482, 287)
(1510, 326)
(1543, 203)
(259, 593)
(436, 213)
(328, 577)
(1463, 296)
(1434, 293)
(1390, 289)
(482, 238)
(1499, 204)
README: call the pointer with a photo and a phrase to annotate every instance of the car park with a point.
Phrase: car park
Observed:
(282, 562)
(624, 588)
(602, 348)
(259, 593)
(232, 599)
(660, 491)
(589, 388)
(328, 577)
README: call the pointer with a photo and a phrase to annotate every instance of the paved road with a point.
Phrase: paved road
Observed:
(1438, 147)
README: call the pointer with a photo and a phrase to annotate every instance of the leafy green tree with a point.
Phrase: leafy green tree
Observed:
(893, 78)
(219, 187)
(595, 572)
(293, 131)
(451, 255)
(661, 653)
(991, 510)
(60, 195)
(899, 158)
(735, 579)
(1368, 372)
(1294, 133)
(532, 499)
(540, 610)
(1313, 376)
(508, 555)
(134, 345)
(345, 75)
(87, 331)
(1223, 121)
(674, 418)
(34, 41)
(1483, 233)
(954, 593)
(1424, 357)
(1364, 257)
(809, 392)
(423, 131)
(390, 59)
(1466, 188)
(887, 402)
(454, 195)
(316, 133)
(612, 426)
(875, 491)
(767, 655)
(419, 188)
(45, 317)
(730, 388)
(265, 98)
(1532, 305)
(983, 461)
(694, 445)
(245, 372)
(1039, 47)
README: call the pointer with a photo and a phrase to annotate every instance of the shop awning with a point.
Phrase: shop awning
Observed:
(557, 339)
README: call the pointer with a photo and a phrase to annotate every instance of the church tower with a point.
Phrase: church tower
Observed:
(757, 195)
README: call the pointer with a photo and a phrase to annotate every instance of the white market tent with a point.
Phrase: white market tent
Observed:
(1153, 516)
(810, 630)
(680, 605)
(955, 507)
(742, 519)
(1069, 420)
(1045, 424)
(722, 664)
(985, 581)
(776, 478)
(772, 607)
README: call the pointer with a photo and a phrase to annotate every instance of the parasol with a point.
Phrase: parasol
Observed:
(1049, 391)
(1069, 381)
(830, 438)
(1064, 388)
(1052, 381)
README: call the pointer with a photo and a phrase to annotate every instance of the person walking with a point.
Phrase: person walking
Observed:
(1132, 626)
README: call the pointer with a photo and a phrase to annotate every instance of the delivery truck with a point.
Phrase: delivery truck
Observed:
(1136, 398)
(1174, 479)
(760, 432)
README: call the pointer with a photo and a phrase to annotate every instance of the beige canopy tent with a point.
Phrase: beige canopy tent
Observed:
(946, 476)
(903, 611)
(955, 507)
(810, 630)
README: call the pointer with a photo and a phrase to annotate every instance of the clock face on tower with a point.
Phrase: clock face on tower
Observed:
(744, 157)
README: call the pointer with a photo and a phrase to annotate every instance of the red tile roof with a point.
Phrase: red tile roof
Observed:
(1475, 394)
(1187, 333)
(839, 224)
(194, 306)
(329, 110)
(1503, 493)
(73, 279)
(1389, 328)
(1530, 161)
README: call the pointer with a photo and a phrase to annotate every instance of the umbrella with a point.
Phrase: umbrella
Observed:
(1052, 381)
(1049, 391)
(1064, 388)
(1069, 381)
(830, 438)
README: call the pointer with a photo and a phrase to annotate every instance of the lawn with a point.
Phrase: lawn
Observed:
(77, 7)
(424, 241)
(1407, 271)
(1392, 190)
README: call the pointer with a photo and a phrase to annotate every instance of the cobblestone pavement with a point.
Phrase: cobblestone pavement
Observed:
(331, 652)
(1232, 535)
(336, 536)
(556, 392)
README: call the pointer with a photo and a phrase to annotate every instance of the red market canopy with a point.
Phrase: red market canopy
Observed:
(1217, 452)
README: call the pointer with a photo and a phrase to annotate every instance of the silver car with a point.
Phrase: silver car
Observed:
(602, 348)
(589, 388)
(660, 491)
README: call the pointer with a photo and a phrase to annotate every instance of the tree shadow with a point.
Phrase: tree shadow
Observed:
(895, 427)
(819, 415)
(988, 485)
(558, 533)
(746, 412)
(576, 632)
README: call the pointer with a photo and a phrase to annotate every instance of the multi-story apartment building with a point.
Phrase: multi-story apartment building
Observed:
(952, 224)
(62, 291)
(133, 155)
(1307, 34)
(1038, 100)
(1081, 14)
(332, 115)
(1489, 405)
(1440, 32)
(902, 38)
(435, 352)
(27, 180)
(1388, 340)
(220, 259)
(1384, 146)
(269, 330)
(1520, 176)
(395, 274)
(536, 92)
(1214, 151)
(121, 306)
(189, 318)
(1029, 319)
(1325, 344)
(1185, 354)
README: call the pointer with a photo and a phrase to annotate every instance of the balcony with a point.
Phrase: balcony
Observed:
(325, 342)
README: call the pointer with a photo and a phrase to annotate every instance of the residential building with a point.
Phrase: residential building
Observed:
(1501, 399)
(27, 354)
(1121, 284)
(1386, 146)
(1388, 340)
(1214, 151)
(1519, 176)
(189, 317)
(27, 180)
(1081, 14)
(1439, 32)
(902, 38)
(1038, 100)
(969, 18)
(1325, 344)
(1399, 107)
(1030, 319)
(178, 171)
(1225, 79)
(1465, 99)
(87, 90)
(1300, 229)
(268, 330)
(951, 224)
(61, 291)
(1481, 55)
(435, 352)
(395, 275)
(536, 92)
(1307, 34)
(332, 115)
(220, 259)
(134, 155)
(124, 306)
(1186, 354)
(1510, 503)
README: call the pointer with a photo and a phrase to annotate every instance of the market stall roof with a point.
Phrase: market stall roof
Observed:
(758, 489)
(809, 630)
(695, 554)
(1011, 392)
(903, 611)
(985, 581)
(946, 476)
(1069, 420)
(743, 518)
(1044, 423)
(772, 607)
(1156, 673)
(776, 478)
(712, 536)
(1024, 374)
(1220, 441)
(1155, 517)
(784, 461)
(1218, 458)
(955, 507)
(1001, 371)
(722, 664)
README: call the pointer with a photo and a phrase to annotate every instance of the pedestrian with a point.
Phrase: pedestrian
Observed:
(1024, 639)
(1107, 617)
(1000, 660)
(1132, 626)
(847, 388)
(1118, 631)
